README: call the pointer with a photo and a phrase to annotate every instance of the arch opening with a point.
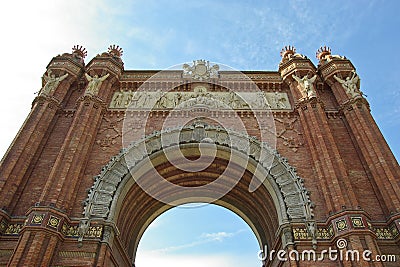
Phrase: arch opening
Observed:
(198, 235)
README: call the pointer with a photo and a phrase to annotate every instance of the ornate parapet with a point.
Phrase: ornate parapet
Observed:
(108, 62)
(330, 65)
(335, 66)
(73, 63)
(339, 73)
(293, 63)
(299, 73)
(62, 71)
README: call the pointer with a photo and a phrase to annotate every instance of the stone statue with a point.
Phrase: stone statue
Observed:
(83, 228)
(52, 82)
(351, 85)
(312, 232)
(94, 83)
(306, 86)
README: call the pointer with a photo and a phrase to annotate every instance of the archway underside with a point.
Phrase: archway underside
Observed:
(256, 208)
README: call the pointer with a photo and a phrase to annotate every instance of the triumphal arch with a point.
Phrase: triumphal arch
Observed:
(294, 152)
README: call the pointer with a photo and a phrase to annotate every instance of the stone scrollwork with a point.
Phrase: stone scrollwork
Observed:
(13, 229)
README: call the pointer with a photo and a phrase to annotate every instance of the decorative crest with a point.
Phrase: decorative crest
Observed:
(200, 70)
(115, 51)
(324, 55)
(323, 52)
(288, 51)
(79, 51)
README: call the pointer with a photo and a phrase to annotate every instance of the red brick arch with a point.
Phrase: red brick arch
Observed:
(117, 199)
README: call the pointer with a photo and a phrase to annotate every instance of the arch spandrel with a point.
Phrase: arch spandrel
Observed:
(285, 187)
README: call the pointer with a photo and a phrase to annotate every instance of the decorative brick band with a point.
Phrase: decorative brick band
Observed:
(77, 254)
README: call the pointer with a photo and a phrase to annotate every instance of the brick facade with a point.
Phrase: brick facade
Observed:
(330, 138)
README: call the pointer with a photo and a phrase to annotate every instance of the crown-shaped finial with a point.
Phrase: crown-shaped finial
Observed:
(79, 51)
(323, 52)
(115, 50)
(288, 50)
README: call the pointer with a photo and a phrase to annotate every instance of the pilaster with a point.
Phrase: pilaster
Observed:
(301, 76)
(61, 73)
(39, 237)
(102, 73)
(379, 162)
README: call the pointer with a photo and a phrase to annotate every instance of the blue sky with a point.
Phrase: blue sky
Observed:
(246, 35)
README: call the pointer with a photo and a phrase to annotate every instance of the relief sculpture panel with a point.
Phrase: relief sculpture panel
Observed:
(200, 96)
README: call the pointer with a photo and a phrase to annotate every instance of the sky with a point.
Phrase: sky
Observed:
(156, 34)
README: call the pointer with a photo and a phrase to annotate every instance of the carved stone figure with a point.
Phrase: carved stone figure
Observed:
(94, 83)
(306, 86)
(351, 85)
(278, 102)
(83, 228)
(117, 101)
(52, 82)
(144, 100)
(312, 232)
(257, 100)
(234, 100)
(226, 100)
(135, 98)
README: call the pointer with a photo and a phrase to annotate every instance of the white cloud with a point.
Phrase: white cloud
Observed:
(202, 239)
(220, 236)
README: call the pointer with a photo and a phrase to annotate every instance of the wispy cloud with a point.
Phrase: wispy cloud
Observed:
(220, 236)
(201, 240)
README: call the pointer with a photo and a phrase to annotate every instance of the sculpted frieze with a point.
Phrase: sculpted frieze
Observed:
(199, 97)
